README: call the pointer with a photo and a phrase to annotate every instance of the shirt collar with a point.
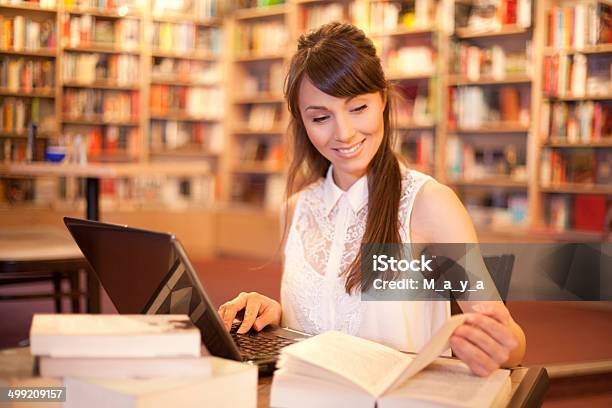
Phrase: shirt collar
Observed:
(357, 194)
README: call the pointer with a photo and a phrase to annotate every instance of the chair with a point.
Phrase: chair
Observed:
(45, 254)
(500, 268)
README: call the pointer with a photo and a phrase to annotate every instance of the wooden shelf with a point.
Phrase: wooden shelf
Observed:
(192, 152)
(263, 98)
(259, 57)
(102, 85)
(512, 29)
(603, 97)
(96, 121)
(592, 49)
(414, 126)
(24, 6)
(174, 82)
(403, 31)
(257, 168)
(260, 12)
(493, 128)
(211, 22)
(578, 188)
(98, 12)
(194, 55)
(252, 132)
(35, 93)
(40, 134)
(102, 49)
(182, 117)
(493, 182)
(46, 53)
(400, 76)
(565, 144)
(509, 80)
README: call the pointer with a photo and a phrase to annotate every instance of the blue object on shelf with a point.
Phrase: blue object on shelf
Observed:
(55, 154)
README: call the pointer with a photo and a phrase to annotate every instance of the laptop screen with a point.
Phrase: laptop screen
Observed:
(149, 272)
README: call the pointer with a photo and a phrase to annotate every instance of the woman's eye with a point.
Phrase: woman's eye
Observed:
(360, 108)
(319, 119)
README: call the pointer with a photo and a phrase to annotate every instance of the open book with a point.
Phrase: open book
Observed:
(336, 369)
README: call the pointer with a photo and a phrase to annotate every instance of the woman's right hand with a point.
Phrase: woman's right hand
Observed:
(259, 311)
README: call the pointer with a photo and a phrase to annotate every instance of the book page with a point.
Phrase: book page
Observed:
(368, 365)
(449, 383)
(434, 347)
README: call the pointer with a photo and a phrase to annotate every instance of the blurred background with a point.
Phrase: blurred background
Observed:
(169, 115)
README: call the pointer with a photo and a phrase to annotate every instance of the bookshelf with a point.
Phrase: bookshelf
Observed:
(575, 138)
(259, 41)
(203, 82)
(492, 111)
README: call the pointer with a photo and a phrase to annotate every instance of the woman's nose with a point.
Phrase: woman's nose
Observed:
(344, 130)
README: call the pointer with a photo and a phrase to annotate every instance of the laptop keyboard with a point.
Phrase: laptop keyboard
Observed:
(254, 347)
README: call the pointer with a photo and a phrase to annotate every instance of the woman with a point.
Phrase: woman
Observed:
(347, 187)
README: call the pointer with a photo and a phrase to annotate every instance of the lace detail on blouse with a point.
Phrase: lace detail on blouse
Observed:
(321, 245)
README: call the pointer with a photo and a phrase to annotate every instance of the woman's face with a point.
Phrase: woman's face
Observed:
(347, 132)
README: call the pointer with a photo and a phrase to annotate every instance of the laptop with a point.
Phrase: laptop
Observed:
(147, 272)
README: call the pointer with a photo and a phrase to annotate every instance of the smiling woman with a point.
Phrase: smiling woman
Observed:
(346, 187)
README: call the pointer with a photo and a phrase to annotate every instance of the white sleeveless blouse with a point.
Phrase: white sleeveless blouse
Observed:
(324, 237)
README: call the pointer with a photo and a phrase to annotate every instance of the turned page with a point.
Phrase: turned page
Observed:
(371, 366)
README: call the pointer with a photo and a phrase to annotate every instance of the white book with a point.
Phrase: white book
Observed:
(231, 384)
(82, 335)
(336, 369)
(59, 367)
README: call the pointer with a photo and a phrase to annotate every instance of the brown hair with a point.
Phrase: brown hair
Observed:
(341, 61)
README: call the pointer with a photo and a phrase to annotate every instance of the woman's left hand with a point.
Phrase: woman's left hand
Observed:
(484, 342)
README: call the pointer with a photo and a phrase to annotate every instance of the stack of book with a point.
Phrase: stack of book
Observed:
(135, 360)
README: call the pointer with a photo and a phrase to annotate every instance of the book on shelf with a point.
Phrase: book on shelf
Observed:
(473, 107)
(188, 392)
(493, 15)
(262, 117)
(410, 60)
(474, 161)
(199, 9)
(418, 148)
(172, 135)
(187, 72)
(475, 62)
(316, 15)
(45, 4)
(266, 80)
(496, 209)
(119, 70)
(174, 37)
(103, 5)
(577, 76)
(389, 16)
(113, 106)
(16, 113)
(26, 75)
(579, 123)
(107, 142)
(87, 30)
(261, 37)
(20, 33)
(96, 336)
(579, 24)
(576, 166)
(194, 102)
(334, 368)
(582, 212)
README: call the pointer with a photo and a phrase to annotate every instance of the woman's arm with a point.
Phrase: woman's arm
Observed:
(490, 338)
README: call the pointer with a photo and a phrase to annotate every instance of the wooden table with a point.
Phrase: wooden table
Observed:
(93, 172)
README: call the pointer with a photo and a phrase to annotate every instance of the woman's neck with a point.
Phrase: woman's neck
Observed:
(345, 180)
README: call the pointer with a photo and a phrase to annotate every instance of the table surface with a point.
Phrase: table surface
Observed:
(95, 170)
(37, 243)
(528, 384)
